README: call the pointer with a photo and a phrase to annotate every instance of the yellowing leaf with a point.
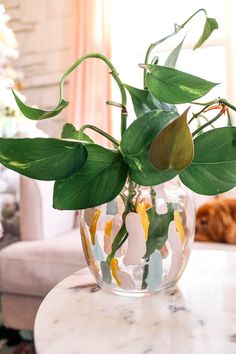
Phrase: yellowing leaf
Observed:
(173, 147)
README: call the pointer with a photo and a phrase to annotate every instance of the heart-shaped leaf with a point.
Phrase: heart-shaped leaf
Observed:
(173, 147)
(100, 180)
(173, 56)
(144, 101)
(70, 132)
(39, 114)
(213, 169)
(42, 158)
(174, 86)
(144, 173)
(210, 25)
(138, 137)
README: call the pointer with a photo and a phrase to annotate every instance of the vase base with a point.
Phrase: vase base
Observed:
(138, 293)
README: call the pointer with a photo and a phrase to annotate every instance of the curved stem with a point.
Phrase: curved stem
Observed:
(115, 76)
(101, 132)
(208, 123)
(177, 29)
(197, 114)
(226, 103)
(190, 18)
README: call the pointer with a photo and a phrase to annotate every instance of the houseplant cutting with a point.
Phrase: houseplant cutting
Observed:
(137, 223)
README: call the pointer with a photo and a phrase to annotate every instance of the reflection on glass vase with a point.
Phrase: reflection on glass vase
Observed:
(139, 242)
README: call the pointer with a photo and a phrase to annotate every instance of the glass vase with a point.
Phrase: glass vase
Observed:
(140, 242)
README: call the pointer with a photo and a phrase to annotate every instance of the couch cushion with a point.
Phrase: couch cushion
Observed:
(35, 267)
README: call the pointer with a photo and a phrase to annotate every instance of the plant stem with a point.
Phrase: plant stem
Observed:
(226, 103)
(197, 114)
(208, 123)
(106, 135)
(150, 49)
(207, 120)
(190, 18)
(145, 274)
(115, 76)
(153, 45)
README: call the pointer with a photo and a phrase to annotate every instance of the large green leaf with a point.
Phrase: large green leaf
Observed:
(144, 101)
(174, 86)
(173, 147)
(140, 134)
(158, 229)
(42, 158)
(143, 173)
(210, 25)
(213, 169)
(39, 114)
(70, 132)
(173, 56)
(100, 180)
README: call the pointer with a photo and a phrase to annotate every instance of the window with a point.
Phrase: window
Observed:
(136, 24)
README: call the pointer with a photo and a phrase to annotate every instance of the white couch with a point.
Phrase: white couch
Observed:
(49, 251)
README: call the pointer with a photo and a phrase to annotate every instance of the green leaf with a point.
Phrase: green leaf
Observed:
(100, 180)
(173, 147)
(158, 229)
(174, 86)
(138, 137)
(144, 173)
(173, 56)
(210, 25)
(42, 158)
(144, 101)
(70, 132)
(39, 114)
(213, 169)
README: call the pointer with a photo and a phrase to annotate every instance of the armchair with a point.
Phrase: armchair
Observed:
(50, 249)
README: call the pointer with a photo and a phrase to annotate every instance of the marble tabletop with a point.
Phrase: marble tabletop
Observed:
(198, 316)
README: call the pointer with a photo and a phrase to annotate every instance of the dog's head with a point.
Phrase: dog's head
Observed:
(212, 220)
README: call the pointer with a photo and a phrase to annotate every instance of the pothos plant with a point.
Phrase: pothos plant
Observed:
(155, 148)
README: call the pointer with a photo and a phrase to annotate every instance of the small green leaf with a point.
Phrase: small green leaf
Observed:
(213, 169)
(42, 158)
(144, 101)
(144, 173)
(158, 229)
(173, 56)
(174, 86)
(210, 25)
(100, 180)
(137, 139)
(70, 132)
(173, 147)
(39, 114)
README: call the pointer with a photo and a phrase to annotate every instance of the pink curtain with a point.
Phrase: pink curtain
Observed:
(90, 85)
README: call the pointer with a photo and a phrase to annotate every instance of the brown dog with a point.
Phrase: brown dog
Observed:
(216, 221)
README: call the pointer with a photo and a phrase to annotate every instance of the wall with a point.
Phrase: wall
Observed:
(42, 29)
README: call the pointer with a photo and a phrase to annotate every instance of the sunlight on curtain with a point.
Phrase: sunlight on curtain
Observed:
(90, 85)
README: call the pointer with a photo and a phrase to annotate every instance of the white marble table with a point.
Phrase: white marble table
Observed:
(198, 317)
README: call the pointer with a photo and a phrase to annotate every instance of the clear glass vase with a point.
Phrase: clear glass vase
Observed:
(139, 242)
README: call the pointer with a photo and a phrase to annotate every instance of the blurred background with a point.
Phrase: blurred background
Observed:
(40, 39)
